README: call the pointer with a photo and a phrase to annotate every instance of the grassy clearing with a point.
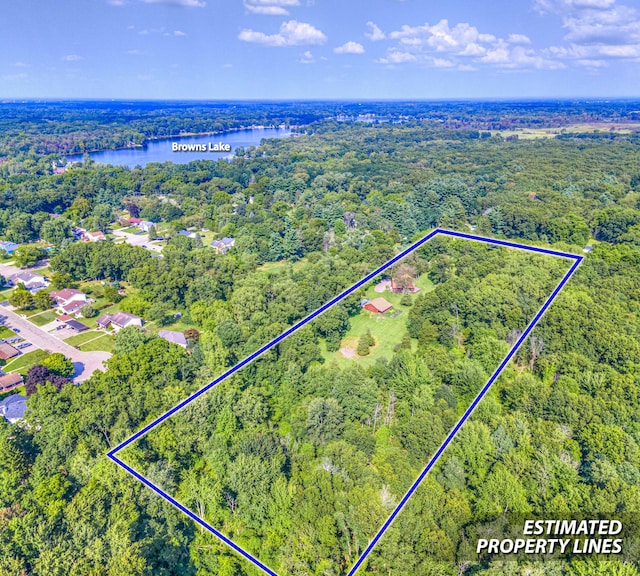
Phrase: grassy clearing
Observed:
(22, 363)
(387, 329)
(583, 128)
(6, 333)
(105, 343)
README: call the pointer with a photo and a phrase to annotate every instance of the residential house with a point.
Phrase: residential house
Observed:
(118, 321)
(13, 408)
(31, 280)
(7, 351)
(378, 306)
(9, 247)
(76, 326)
(173, 337)
(188, 234)
(94, 236)
(145, 225)
(10, 381)
(409, 286)
(222, 246)
(69, 301)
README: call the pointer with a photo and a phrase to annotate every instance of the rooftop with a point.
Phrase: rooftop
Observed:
(7, 351)
(13, 407)
(174, 337)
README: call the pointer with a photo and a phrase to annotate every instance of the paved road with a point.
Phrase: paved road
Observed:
(137, 240)
(7, 270)
(85, 363)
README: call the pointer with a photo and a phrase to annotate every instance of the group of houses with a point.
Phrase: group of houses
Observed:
(142, 225)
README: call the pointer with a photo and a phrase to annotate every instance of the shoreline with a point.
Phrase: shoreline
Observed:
(181, 135)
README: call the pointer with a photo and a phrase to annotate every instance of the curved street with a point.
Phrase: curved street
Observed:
(85, 363)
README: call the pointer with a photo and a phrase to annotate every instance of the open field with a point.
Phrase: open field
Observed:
(538, 133)
(387, 329)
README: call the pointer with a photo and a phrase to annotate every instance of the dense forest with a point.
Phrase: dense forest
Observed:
(557, 436)
(300, 460)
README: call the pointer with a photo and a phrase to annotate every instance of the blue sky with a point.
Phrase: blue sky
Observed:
(314, 49)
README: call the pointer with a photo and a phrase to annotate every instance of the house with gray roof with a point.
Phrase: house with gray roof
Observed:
(13, 408)
(222, 246)
(173, 337)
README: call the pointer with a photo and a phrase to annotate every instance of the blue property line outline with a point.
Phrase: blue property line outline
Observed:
(112, 453)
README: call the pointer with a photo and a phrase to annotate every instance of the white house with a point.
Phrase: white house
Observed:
(69, 301)
(94, 236)
(119, 320)
(31, 280)
(222, 246)
(145, 225)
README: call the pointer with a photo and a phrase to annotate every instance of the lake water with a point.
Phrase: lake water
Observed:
(161, 150)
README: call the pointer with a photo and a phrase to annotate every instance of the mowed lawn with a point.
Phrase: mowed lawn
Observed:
(387, 329)
(43, 318)
(105, 343)
(22, 363)
(92, 341)
(83, 337)
(6, 332)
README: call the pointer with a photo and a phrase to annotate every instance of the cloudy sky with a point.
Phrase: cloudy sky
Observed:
(313, 49)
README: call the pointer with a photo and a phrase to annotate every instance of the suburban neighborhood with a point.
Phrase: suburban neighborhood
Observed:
(40, 317)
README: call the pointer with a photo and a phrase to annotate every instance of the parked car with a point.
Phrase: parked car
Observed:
(24, 345)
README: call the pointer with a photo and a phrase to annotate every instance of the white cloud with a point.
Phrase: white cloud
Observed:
(267, 10)
(116, 2)
(462, 46)
(596, 30)
(560, 6)
(20, 64)
(592, 63)
(134, 52)
(518, 39)
(307, 58)
(292, 33)
(350, 48)
(374, 34)
(443, 38)
(72, 58)
(442, 63)
(398, 57)
(270, 7)
(179, 3)
(179, 33)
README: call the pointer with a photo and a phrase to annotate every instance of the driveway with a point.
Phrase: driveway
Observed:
(85, 363)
